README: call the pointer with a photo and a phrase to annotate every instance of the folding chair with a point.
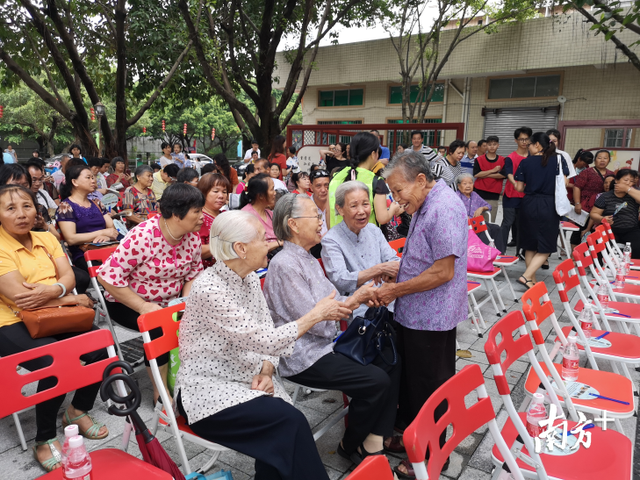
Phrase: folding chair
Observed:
(71, 375)
(622, 348)
(614, 248)
(164, 415)
(398, 245)
(566, 229)
(487, 279)
(479, 225)
(375, 467)
(537, 308)
(475, 315)
(95, 259)
(424, 432)
(609, 455)
(597, 245)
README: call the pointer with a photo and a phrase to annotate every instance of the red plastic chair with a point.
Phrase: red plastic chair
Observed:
(609, 455)
(613, 245)
(177, 425)
(71, 375)
(375, 467)
(424, 433)
(398, 245)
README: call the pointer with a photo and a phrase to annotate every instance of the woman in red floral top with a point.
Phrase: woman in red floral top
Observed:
(215, 188)
(139, 197)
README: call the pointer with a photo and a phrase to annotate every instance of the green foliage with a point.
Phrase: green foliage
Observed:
(613, 17)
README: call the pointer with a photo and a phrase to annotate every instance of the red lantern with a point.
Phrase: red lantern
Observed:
(184, 130)
(213, 134)
(144, 129)
(1, 111)
(163, 126)
(93, 114)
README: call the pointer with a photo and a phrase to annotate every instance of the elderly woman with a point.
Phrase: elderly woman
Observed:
(229, 351)
(80, 219)
(259, 200)
(302, 183)
(431, 286)
(119, 175)
(355, 252)
(155, 263)
(28, 279)
(139, 197)
(215, 188)
(475, 206)
(294, 283)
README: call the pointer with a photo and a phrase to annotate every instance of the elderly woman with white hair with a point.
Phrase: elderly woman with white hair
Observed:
(295, 282)
(355, 252)
(229, 349)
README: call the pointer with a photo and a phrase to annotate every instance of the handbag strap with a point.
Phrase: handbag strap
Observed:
(55, 265)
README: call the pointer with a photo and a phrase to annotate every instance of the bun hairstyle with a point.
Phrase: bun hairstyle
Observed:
(548, 147)
(257, 187)
(73, 173)
(586, 157)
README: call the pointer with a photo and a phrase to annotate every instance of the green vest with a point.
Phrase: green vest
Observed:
(365, 176)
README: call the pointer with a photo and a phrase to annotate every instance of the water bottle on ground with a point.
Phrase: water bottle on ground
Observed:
(78, 465)
(570, 360)
(626, 256)
(586, 321)
(603, 297)
(536, 412)
(620, 273)
(69, 431)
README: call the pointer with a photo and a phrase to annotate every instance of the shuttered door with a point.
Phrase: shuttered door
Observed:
(503, 121)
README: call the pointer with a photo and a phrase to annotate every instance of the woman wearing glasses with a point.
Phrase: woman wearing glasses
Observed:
(294, 284)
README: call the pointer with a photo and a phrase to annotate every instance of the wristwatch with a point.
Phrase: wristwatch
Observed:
(64, 289)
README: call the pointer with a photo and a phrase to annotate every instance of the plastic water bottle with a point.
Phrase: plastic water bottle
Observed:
(603, 297)
(69, 431)
(626, 256)
(620, 273)
(78, 466)
(570, 360)
(536, 412)
(586, 321)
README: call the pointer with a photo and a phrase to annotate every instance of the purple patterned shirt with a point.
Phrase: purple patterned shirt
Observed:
(438, 229)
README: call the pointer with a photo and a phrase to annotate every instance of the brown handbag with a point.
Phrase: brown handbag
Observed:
(49, 321)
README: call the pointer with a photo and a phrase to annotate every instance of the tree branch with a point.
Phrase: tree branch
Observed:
(616, 16)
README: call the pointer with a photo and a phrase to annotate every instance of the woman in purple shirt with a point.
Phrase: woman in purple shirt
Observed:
(431, 287)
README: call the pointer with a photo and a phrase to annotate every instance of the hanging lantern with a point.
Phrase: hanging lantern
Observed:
(1, 111)
(144, 130)
(184, 130)
(93, 114)
(163, 126)
(213, 134)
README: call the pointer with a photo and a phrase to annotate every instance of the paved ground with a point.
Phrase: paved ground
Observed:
(471, 460)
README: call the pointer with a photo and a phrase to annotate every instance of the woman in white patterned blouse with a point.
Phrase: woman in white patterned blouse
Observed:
(229, 350)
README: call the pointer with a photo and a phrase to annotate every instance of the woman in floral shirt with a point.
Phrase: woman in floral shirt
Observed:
(156, 262)
(139, 197)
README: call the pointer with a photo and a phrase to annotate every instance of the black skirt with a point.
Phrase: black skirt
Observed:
(539, 223)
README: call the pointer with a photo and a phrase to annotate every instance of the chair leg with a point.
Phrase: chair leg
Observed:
(23, 442)
(126, 435)
(214, 457)
(477, 310)
(473, 318)
(619, 426)
(508, 280)
(294, 397)
(493, 300)
(495, 287)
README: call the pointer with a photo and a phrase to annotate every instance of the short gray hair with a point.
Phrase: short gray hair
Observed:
(230, 228)
(463, 176)
(411, 164)
(289, 206)
(346, 188)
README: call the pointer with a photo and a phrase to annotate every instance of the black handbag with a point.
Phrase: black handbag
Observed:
(366, 337)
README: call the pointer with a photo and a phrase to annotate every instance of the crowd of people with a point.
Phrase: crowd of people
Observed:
(323, 237)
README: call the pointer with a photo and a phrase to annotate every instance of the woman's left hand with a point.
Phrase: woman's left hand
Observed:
(262, 382)
(38, 295)
(478, 212)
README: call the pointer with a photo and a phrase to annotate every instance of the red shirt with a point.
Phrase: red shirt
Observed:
(510, 191)
(204, 233)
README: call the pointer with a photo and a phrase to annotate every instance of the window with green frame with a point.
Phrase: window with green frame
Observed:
(397, 137)
(524, 87)
(395, 94)
(341, 98)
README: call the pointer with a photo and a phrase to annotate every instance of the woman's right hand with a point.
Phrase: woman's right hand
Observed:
(149, 307)
(84, 301)
(330, 309)
(609, 219)
(578, 208)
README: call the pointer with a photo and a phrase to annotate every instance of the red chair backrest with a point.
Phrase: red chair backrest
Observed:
(150, 215)
(398, 245)
(607, 227)
(566, 278)
(596, 243)
(98, 255)
(375, 467)
(478, 224)
(161, 319)
(513, 348)
(65, 367)
(535, 307)
(582, 258)
(424, 432)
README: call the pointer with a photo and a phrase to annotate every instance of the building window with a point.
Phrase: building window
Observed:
(341, 98)
(397, 137)
(395, 94)
(324, 138)
(617, 137)
(524, 87)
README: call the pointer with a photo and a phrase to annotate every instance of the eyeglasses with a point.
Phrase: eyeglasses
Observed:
(37, 180)
(317, 217)
(318, 174)
(523, 140)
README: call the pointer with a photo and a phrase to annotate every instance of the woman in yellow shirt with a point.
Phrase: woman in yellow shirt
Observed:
(28, 280)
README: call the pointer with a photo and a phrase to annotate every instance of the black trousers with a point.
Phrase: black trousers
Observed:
(270, 430)
(15, 339)
(128, 318)
(429, 360)
(82, 278)
(631, 235)
(373, 390)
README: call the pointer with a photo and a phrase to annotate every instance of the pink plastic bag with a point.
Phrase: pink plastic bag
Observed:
(480, 257)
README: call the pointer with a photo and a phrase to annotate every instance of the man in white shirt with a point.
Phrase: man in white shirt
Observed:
(254, 148)
(37, 183)
(416, 144)
(554, 137)
(470, 156)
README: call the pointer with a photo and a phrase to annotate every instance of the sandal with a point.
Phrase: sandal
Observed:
(411, 474)
(50, 464)
(524, 284)
(91, 433)
(545, 265)
(395, 445)
(356, 457)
